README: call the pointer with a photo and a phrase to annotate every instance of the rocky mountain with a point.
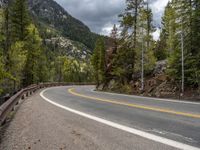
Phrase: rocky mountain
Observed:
(67, 47)
(57, 27)
(52, 16)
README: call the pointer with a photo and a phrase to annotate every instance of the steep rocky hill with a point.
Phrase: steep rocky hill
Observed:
(51, 15)
(72, 37)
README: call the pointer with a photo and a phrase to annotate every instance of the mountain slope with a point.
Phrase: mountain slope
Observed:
(52, 15)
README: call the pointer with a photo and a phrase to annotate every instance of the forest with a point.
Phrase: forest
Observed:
(127, 62)
(25, 56)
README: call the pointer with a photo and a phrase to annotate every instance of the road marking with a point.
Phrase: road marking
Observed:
(140, 133)
(71, 90)
(149, 98)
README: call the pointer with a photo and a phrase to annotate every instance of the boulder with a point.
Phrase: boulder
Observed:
(160, 67)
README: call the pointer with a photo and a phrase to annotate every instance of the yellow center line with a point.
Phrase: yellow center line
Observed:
(135, 105)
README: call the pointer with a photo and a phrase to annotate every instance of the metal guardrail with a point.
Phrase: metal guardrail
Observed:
(10, 104)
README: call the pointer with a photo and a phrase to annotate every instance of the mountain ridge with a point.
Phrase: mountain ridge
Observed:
(52, 15)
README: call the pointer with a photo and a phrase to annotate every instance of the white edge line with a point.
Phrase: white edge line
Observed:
(150, 98)
(125, 128)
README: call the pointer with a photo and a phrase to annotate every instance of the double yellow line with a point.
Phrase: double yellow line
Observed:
(135, 105)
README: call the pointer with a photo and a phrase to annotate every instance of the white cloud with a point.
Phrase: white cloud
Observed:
(159, 5)
(106, 30)
(100, 15)
(96, 14)
(156, 34)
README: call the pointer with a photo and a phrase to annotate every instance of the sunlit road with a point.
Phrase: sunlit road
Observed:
(168, 122)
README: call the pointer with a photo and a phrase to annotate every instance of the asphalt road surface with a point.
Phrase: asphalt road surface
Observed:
(175, 124)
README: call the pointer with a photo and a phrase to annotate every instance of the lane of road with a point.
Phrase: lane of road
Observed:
(183, 125)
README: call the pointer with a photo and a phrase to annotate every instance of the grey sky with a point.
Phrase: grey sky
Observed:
(100, 15)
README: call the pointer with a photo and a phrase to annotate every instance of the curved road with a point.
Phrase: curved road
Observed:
(172, 123)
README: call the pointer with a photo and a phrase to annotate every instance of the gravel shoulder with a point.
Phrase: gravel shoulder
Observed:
(38, 125)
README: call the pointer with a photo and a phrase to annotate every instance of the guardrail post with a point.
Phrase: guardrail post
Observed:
(27, 94)
(13, 108)
(23, 97)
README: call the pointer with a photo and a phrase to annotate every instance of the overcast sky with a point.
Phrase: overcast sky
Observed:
(100, 15)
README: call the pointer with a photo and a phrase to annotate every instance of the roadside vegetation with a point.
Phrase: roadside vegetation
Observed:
(128, 61)
(25, 56)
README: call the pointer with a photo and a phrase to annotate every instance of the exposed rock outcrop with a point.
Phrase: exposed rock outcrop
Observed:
(70, 48)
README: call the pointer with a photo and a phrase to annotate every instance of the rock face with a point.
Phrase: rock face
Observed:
(50, 14)
(70, 48)
(156, 85)
(160, 67)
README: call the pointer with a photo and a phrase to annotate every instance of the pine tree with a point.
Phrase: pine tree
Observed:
(169, 28)
(183, 26)
(3, 72)
(122, 60)
(160, 50)
(99, 61)
(20, 20)
(112, 44)
(114, 38)
(95, 61)
(130, 24)
(102, 61)
(6, 33)
(42, 67)
(195, 41)
(33, 45)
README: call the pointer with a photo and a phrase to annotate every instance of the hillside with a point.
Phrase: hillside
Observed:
(61, 51)
(54, 22)
(51, 15)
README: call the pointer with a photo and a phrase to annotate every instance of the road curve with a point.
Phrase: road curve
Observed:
(169, 122)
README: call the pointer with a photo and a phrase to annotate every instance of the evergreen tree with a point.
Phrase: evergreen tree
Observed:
(33, 45)
(20, 20)
(160, 50)
(102, 61)
(181, 28)
(112, 44)
(42, 67)
(169, 29)
(6, 33)
(114, 38)
(16, 20)
(122, 60)
(99, 62)
(95, 61)
(3, 72)
(195, 42)
(182, 35)
(129, 23)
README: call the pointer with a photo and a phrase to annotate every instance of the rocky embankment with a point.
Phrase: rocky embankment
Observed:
(156, 85)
